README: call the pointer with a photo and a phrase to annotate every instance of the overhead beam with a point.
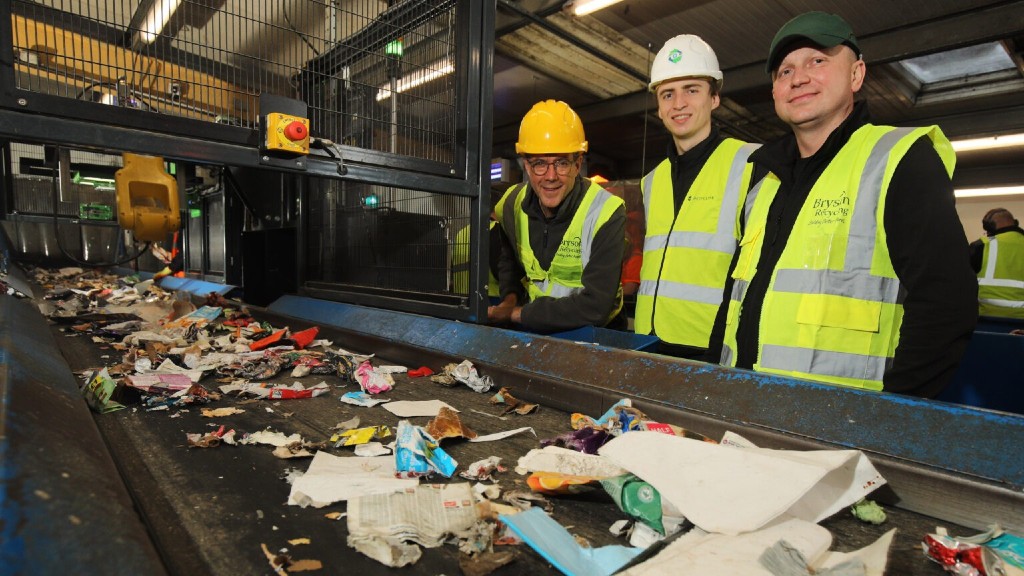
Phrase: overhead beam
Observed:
(954, 31)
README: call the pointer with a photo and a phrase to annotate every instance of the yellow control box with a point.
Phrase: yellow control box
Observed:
(287, 133)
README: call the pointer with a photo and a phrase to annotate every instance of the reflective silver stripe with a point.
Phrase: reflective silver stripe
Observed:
(993, 253)
(727, 354)
(739, 290)
(1001, 283)
(1002, 303)
(724, 243)
(855, 280)
(851, 284)
(727, 218)
(560, 291)
(648, 185)
(681, 291)
(823, 362)
(590, 224)
(748, 203)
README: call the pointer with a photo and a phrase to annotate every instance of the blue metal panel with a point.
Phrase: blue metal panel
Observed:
(63, 506)
(200, 288)
(980, 443)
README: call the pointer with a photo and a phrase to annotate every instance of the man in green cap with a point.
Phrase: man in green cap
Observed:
(853, 268)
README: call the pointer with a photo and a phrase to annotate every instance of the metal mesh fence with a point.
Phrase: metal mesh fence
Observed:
(377, 75)
(386, 238)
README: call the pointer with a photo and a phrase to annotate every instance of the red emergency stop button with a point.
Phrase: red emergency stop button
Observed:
(295, 131)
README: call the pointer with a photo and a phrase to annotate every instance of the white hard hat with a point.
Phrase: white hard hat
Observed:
(685, 56)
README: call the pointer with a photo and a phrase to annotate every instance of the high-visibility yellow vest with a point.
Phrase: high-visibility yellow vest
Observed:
(833, 308)
(1001, 278)
(460, 265)
(687, 254)
(565, 274)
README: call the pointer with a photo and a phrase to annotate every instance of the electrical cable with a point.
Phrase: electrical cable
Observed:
(60, 246)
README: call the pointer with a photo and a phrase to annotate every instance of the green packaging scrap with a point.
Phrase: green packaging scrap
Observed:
(636, 498)
(98, 392)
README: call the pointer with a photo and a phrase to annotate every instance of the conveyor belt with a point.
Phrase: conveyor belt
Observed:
(208, 510)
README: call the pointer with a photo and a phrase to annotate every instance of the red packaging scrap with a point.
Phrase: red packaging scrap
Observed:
(269, 340)
(302, 339)
(420, 372)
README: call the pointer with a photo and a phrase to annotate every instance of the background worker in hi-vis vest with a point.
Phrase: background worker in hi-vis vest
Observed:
(692, 203)
(998, 258)
(853, 268)
(563, 236)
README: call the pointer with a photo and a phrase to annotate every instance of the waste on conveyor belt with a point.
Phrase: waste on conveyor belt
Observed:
(685, 499)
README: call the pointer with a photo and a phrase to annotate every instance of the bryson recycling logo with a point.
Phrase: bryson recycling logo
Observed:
(675, 56)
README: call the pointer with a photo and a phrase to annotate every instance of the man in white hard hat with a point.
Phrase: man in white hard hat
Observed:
(853, 269)
(692, 202)
(563, 235)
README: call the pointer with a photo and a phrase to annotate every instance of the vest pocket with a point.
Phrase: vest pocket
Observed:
(749, 248)
(839, 312)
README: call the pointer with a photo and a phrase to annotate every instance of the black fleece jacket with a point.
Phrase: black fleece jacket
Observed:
(601, 277)
(926, 243)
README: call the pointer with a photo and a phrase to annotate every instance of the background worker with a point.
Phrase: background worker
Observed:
(460, 257)
(853, 268)
(692, 203)
(998, 258)
(563, 236)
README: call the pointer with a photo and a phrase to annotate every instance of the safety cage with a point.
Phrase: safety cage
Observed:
(352, 133)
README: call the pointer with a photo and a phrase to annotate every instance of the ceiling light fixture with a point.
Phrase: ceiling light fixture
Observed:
(583, 7)
(1004, 141)
(998, 191)
(158, 16)
(417, 77)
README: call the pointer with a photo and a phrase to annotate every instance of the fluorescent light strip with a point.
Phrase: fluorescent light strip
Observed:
(1004, 141)
(1000, 191)
(584, 7)
(158, 16)
(417, 78)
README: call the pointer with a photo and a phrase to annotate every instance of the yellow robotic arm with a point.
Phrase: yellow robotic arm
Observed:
(147, 198)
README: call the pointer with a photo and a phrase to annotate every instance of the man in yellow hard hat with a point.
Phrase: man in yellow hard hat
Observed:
(563, 235)
(693, 202)
(853, 268)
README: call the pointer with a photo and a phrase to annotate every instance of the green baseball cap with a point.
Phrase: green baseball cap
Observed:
(825, 30)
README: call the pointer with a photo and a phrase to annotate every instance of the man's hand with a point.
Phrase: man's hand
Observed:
(505, 313)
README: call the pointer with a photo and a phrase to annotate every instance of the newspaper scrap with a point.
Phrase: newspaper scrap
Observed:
(98, 392)
(381, 525)
(410, 408)
(159, 383)
(418, 454)
(466, 373)
(362, 399)
(483, 469)
(332, 479)
(211, 439)
(274, 391)
(566, 461)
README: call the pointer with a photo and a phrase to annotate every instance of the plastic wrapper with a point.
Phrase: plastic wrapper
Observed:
(637, 499)
(557, 483)
(963, 558)
(586, 440)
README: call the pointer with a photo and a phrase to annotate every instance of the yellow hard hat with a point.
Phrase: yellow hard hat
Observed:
(551, 127)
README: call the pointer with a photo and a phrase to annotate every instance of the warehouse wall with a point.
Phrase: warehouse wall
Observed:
(971, 210)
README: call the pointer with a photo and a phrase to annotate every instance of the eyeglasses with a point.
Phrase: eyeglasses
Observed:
(540, 167)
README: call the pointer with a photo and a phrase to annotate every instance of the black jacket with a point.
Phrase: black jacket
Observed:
(601, 277)
(926, 243)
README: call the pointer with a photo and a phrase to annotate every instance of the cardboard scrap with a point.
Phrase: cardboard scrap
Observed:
(221, 412)
(447, 424)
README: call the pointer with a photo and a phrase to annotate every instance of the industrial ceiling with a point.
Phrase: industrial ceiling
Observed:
(599, 64)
